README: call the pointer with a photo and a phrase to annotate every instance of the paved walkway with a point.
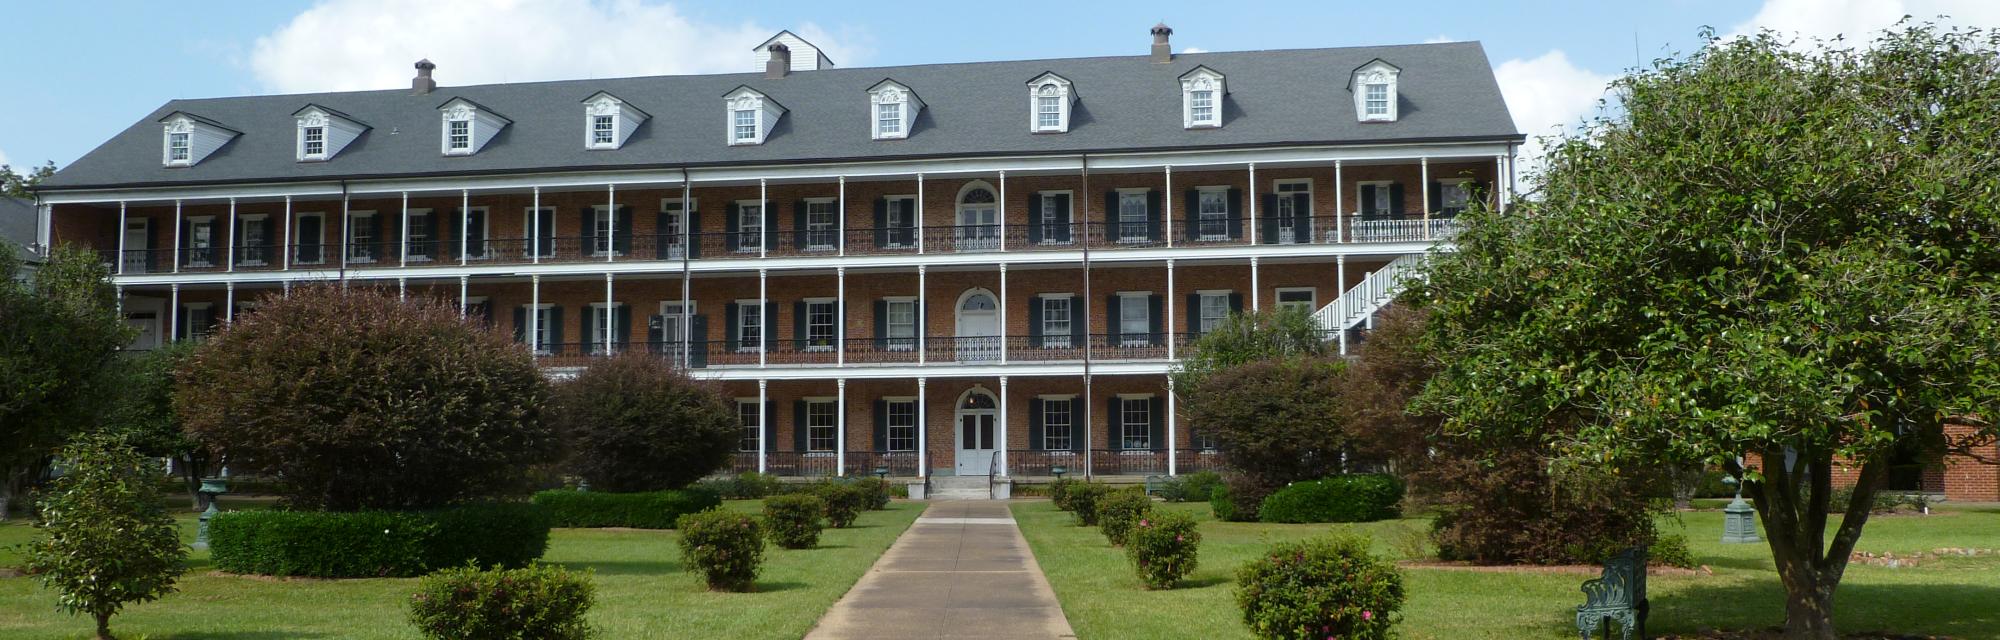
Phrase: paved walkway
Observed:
(962, 571)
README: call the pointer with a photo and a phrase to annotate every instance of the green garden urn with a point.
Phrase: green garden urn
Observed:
(1739, 519)
(211, 488)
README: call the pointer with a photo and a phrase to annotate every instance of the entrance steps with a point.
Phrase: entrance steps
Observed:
(959, 488)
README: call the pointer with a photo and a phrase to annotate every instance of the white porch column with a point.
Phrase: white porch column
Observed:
(763, 424)
(1167, 216)
(1173, 442)
(1339, 206)
(1254, 295)
(763, 222)
(840, 222)
(463, 283)
(840, 319)
(1003, 313)
(1340, 291)
(1000, 218)
(610, 319)
(118, 299)
(464, 226)
(923, 428)
(345, 229)
(535, 227)
(402, 289)
(920, 217)
(287, 289)
(229, 254)
(610, 229)
(1002, 436)
(1170, 317)
(177, 236)
(534, 315)
(119, 266)
(286, 245)
(403, 241)
(763, 316)
(1425, 163)
(840, 427)
(923, 317)
(1253, 203)
(228, 303)
(1499, 188)
(174, 312)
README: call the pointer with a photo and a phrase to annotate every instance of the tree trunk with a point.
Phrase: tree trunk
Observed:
(1809, 611)
(1793, 507)
(8, 475)
(103, 626)
(191, 476)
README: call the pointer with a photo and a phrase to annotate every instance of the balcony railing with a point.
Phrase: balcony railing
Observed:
(876, 351)
(1020, 462)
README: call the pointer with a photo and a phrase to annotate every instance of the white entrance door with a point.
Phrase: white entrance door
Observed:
(975, 435)
(672, 339)
(978, 220)
(978, 327)
(146, 328)
(135, 246)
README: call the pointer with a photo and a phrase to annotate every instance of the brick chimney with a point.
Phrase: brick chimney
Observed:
(1162, 52)
(780, 62)
(423, 84)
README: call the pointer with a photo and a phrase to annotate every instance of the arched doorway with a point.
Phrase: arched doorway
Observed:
(978, 218)
(975, 434)
(978, 327)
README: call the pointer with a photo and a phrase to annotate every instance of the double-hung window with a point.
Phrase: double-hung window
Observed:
(751, 415)
(669, 235)
(1056, 318)
(902, 425)
(745, 121)
(1212, 214)
(1135, 319)
(902, 325)
(888, 119)
(420, 240)
(361, 238)
(1048, 112)
(201, 242)
(458, 136)
(602, 130)
(544, 330)
(178, 149)
(1058, 421)
(1132, 217)
(1214, 310)
(820, 425)
(1135, 422)
(749, 226)
(602, 225)
(900, 217)
(200, 320)
(819, 325)
(1300, 298)
(253, 246)
(1377, 99)
(1452, 198)
(1201, 107)
(749, 326)
(821, 231)
(313, 143)
(1054, 232)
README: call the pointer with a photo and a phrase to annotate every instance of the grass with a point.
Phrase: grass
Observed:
(1952, 597)
(641, 591)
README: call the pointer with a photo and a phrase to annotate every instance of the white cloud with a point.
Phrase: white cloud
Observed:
(1859, 20)
(1440, 39)
(342, 45)
(1547, 95)
(1194, 50)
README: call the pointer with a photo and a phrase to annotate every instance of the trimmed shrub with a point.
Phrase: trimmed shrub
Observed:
(844, 502)
(1222, 506)
(106, 540)
(793, 520)
(1323, 588)
(1164, 547)
(537, 602)
(1083, 502)
(726, 548)
(649, 510)
(371, 544)
(1349, 498)
(1503, 507)
(1199, 486)
(1119, 510)
(505, 534)
(877, 491)
(635, 423)
(362, 401)
(1239, 498)
(1059, 493)
(1671, 550)
(748, 485)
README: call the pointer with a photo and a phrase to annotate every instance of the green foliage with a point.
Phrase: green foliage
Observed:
(648, 510)
(143, 411)
(877, 490)
(748, 485)
(1224, 506)
(1119, 510)
(1328, 587)
(1239, 497)
(1083, 498)
(371, 544)
(1192, 487)
(1164, 546)
(635, 423)
(1348, 498)
(844, 502)
(1275, 421)
(1506, 509)
(537, 602)
(504, 534)
(21, 184)
(1059, 493)
(793, 521)
(105, 540)
(58, 340)
(360, 401)
(1670, 550)
(1270, 334)
(725, 547)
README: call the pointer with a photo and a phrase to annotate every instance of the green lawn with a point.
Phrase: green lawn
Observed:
(641, 591)
(1949, 597)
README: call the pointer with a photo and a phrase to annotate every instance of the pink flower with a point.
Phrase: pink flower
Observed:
(1142, 523)
(1367, 615)
(1177, 538)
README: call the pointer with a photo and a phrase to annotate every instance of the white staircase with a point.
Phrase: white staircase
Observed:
(1356, 305)
(959, 488)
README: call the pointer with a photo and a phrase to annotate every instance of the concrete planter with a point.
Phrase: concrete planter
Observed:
(916, 491)
(1003, 489)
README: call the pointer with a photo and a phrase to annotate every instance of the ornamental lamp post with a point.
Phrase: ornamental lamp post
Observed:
(1058, 471)
(211, 488)
(1739, 519)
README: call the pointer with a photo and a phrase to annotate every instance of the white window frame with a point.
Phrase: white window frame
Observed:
(753, 433)
(194, 222)
(889, 121)
(736, 125)
(890, 408)
(743, 231)
(1201, 108)
(831, 441)
(1312, 297)
(180, 148)
(1050, 212)
(1285, 187)
(199, 331)
(743, 320)
(306, 142)
(1126, 404)
(906, 206)
(1381, 198)
(676, 211)
(354, 244)
(1212, 225)
(1126, 302)
(541, 340)
(590, 333)
(451, 140)
(1068, 405)
(896, 342)
(244, 224)
(1047, 87)
(1202, 79)
(298, 229)
(1374, 87)
(528, 229)
(411, 240)
(1125, 196)
(603, 128)
(1375, 107)
(1058, 339)
(1200, 313)
(822, 235)
(1446, 186)
(832, 325)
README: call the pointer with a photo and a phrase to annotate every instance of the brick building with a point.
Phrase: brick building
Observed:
(942, 269)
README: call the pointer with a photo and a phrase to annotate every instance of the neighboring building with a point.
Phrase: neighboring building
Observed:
(18, 230)
(936, 268)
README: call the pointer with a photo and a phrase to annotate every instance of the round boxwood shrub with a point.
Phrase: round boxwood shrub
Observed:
(1083, 502)
(371, 544)
(1059, 493)
(360, 401)
(635, 423)
(537, 602)
(1119, 510)
(725, 547)
(793, 521)
(844, 502)
(1323, 588)
(503, 534)
(646, 510)
(1348, 498)
(878, 492)
(1164, 547)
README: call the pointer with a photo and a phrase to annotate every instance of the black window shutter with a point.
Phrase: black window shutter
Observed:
(769, 416)
(1111, 316)
(770, 325)
(798, 224)
(555, 327)
(799, 324)
(881, 324)
(430, 231)
(621, 237)
(1111, 228)
(271, 241)
(799, 441)
(1114, 436)
(881, 426)
(1480, 189)
(593, 327)
(881, 222)
(698, 335)
(1436, 196)
(1235, 302)
(1368, 208)
(1159, 430)
(770, 239)
(1268, 222)
(1154, 318)
(1153, 226)
(656, 333)
(1235, 213)
(1302, 217)
(1034, 321)
(521, 325)
(1079, 323)
(621, 326)
(662, 243)
(1396, 198)
(1063, 222)
(1191, 214)
(1193, 315)
(1035, 222)
(1035, 425)
(374, 231)
(693, 234)
(1076, 434)
(589, 230)
(153, 240)
(729, 322)
(733, 219)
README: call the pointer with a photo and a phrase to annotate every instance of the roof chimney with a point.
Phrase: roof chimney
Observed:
(423, 84)
(1162, 52)
(780, 62)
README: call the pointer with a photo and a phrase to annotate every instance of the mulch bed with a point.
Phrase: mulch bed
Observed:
(1572, 569)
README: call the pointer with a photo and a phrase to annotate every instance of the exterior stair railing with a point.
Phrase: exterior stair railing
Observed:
(1355, 305)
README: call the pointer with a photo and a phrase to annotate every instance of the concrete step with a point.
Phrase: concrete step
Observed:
(960, 488)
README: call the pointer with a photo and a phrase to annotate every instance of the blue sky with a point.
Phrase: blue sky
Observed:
(81, 71)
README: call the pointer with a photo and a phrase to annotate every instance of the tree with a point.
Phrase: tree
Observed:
(21, 185)
(356, 400)
(58, 338)
(143, 412)
(1772, 250)
(1262, 387)
(106, 540)
(1250, 337)
(634, 423)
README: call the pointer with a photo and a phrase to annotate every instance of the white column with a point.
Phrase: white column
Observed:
(840, 427)
(1167, 201)
(840, 318)
(174, 312)
(1170, 316)
(1499, 173)
(228, 303)
(464, 225)
(535, 227)
(923, 315)
(286, 245)
(463, 283)
(1173, 443)
(763, 424)
(687, 286)
(119, 266)
(402, 289)
(1339, 201)
(610, 321)
(534, 314)
(118, 298)
(763, 223)
(1002, 444)
(1003, 313)
(1254, 294)
(840, 241)
(1425, 164)
(403, 242)
(1000, 217)
(920, 216)
(923, 429)
(763, 315)
(229, 254)
(287, 289)
(344, 235)
(177, 236)
(1340, 291)
(610, 229)
(1253, 203)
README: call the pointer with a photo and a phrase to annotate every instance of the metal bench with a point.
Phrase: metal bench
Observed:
(1155, 484)
(1619, 595)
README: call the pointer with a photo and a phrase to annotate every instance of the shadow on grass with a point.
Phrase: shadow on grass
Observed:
(239, 635)
(626, 568)
(1202, 583)
(1957, 610)
(773, 587)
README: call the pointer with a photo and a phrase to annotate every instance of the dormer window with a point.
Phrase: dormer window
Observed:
(324, 132)
(177, 148)
(608, 121)
(1374, 87)
(468, 126)
(1049, 99)
(458, 136)
(186, 139)
(894, 108)
(751, 115)
(1202, 90)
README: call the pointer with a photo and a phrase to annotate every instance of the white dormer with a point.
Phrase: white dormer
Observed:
(892, 108)
(323, 133)
(751, 115)
(1374, 89)
(1049, 100)
(1202, 90)
(608, 121)
(805, 55)
(467, 127)
(188, 138)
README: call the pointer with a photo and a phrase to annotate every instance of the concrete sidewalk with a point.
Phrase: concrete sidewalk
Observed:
(962, 571)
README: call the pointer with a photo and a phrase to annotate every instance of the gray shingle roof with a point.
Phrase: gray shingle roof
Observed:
(17, 224)
(1275, 97)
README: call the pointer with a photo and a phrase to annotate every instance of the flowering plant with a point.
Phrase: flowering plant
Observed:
(727, 548)
(1163, 546)
(1329, 587)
